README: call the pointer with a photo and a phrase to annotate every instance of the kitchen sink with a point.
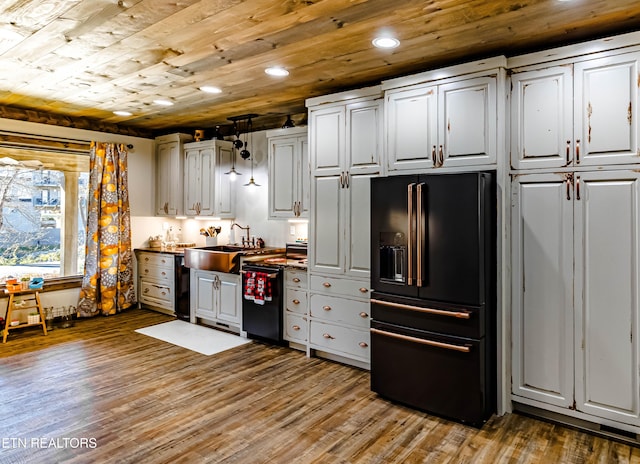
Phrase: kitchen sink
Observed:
(222, 258)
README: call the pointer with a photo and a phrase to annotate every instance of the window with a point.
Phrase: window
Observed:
(43, 201)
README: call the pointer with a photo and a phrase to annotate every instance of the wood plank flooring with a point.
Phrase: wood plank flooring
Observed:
(135, 399)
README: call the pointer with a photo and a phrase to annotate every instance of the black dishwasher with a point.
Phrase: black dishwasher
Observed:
(262, 302)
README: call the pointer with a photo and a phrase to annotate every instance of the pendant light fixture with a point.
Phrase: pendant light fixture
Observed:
(232, 172)
(252, 182)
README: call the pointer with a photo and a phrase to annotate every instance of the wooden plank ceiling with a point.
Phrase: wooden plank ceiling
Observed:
(74, 62)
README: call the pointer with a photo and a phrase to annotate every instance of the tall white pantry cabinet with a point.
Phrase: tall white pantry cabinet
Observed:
(575, 230)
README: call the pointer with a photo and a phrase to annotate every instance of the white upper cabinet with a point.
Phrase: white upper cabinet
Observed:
(327, 140)
(411, 127)
(581, 114)
(451, 124)
(541, 118)
(288, 173)
(207, 191)
(169, 174)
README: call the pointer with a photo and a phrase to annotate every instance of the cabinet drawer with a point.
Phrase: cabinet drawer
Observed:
(295, 328)
(296, 301)
(337, 286)
(156, 291)
(156, 259)
(340, 340)
(337, 309)
(150, 271)
(296, 279)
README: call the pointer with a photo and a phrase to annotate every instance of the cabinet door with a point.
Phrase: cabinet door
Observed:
(192, 172)
(467, 113)
(204, 296)
(358, 225)
(327, 140)
(606, 110)
(542, 284)
(224, 193)
(304, 178)
(364, 137)
(326, 228)
(606, 249)
(207, 164)
(283, 168)
(411, 124)
(229, 309)
(542, 118)
(168, 179)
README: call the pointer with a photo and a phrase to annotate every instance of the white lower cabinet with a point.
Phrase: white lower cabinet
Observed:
(217, 298)
(296, 307)
(339, 318)
(156, 281)
(575, 281)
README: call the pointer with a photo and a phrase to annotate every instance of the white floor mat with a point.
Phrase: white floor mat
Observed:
(193, 337)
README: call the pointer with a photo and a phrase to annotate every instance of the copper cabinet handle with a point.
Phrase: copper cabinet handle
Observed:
(437, 312)
(441, 155)
(296, 327)
(327, 308)
(447, 346)
(346, 179)
(363, 344)
(328, 336)
(577, 151)
(568, 183)
(342, 179)
(433, 157)
(568, 154)
(363, 290)
(410, 234)
(296, 302)
(577, 187)
(419, 234)
(296, 280)
(363, 314)
(326, 284)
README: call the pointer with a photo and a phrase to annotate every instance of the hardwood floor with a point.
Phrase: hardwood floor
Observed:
(135, 399)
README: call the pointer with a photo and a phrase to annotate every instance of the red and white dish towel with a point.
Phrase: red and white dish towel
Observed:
(257, 287)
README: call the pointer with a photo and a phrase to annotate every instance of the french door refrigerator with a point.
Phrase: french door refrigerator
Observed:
(433, 275)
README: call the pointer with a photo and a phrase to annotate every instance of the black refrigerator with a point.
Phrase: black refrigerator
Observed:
(433, 304)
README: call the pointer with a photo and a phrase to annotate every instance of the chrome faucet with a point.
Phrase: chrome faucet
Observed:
(245, 241)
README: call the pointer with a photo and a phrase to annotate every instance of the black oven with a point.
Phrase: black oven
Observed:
(262, 302)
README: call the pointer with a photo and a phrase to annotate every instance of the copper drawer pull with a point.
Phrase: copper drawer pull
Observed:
(363, 314)
(439, 312)
(296, 327)
(326, 284)
(446, 346)
(328, 337)
(296, 280)
(295, 302)
(327, 308)
(363, 290)
(363, 345)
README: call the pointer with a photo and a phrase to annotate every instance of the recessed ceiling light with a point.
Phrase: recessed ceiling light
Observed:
(163, 102)
(277, 71)
(210, 89)
(122, 113)
(385, 42)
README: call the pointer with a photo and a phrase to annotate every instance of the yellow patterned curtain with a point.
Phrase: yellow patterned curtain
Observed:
(107, 284)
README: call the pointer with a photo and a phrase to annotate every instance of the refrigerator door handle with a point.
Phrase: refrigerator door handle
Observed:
(437, 312)
(447, 346)
(410, 234)
(419, 232)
